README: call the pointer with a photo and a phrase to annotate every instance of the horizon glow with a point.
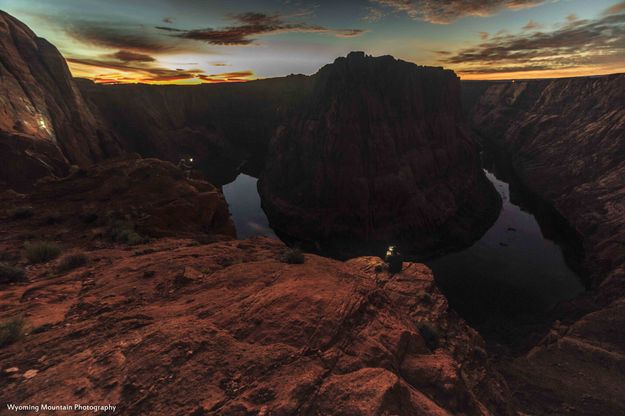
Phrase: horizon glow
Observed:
(204, 41)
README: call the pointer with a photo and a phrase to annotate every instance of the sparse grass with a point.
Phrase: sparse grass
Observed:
(72, 261)
(41, 251)
(292, 256)
(11, 331)
(11, 274)
(21, 213)
(124, 232)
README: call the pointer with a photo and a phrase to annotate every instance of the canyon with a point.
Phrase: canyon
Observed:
(333, 173)
(45, 125)
(170, 313)
(565, 141)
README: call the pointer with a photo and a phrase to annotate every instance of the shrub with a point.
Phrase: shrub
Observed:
(430, 334)
(292, 256)
(72, 261)
(10, 274)
(20, 213)
(42, 251)
(11, 331)
(124, 232)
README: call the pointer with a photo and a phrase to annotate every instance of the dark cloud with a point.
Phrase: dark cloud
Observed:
(135, 71)
(349, 33)
(118, 36)
(532, 25)
(142, 73)
(249, 25)
(168, 20)
(169, 29)
(128, 56)
(446, 11)
(576, 43)
(616, 9)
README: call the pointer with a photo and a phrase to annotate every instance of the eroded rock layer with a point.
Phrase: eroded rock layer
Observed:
(150, 197)
(44, 122)
(379, 153)
(222, 126)
(174, 327)
(566, 140)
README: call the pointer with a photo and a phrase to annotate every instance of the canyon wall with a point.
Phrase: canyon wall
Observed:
(379, 153)
(566, 141)
(367, 149)
(222, 126)
(45, 125)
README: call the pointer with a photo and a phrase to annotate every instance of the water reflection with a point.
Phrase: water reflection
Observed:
(244, 204)
(514, 269)
(517, 269)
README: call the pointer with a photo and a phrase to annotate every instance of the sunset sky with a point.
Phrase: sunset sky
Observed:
(193, 41)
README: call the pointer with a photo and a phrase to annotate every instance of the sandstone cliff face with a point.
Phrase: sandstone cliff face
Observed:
(44, 122)
(566, 139)
(150, 197)
(174, 327)
(222, 126)
(368, 149)
(378, 153)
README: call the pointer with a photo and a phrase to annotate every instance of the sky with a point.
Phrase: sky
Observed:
(197, 41)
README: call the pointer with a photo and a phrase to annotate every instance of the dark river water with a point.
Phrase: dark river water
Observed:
(244, 204)
(517, 269)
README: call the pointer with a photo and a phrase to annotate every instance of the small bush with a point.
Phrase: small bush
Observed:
(20, 213)
(42, 251)
(292, 256)
(72, 261)
(430, 334)
(11, 331)
(41, 328)
(123, 232)
(10, 274)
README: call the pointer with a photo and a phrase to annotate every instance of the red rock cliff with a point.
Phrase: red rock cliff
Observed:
(44, 122)
(566, 140)
(378, 153)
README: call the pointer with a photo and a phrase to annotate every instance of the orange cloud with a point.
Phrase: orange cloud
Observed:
(240, 76)
(119, 72)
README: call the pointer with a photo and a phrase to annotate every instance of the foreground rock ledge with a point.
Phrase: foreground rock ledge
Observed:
(227, 328)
